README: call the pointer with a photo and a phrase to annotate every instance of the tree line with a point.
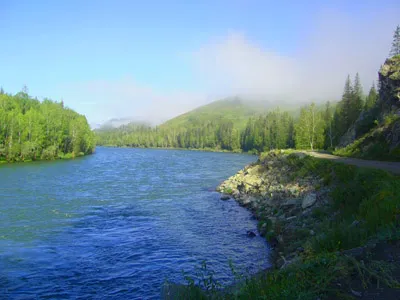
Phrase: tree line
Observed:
(316, 127)
(32, 130)
(323, 127)
(213, 134)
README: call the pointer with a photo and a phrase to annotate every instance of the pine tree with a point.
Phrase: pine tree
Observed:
(396, 43)
(371, 98)
(346, 103)
(357, 99)
(328, 117)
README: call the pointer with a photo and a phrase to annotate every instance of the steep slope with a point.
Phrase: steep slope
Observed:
(382, 142)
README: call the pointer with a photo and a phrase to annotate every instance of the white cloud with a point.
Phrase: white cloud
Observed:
(126, 98)
(339, 45)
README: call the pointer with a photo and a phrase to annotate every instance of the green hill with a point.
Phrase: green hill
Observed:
(235, 109)
(219, 125)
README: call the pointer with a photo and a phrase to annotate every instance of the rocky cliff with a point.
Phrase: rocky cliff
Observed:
(383, 140)
(281, 198)
(389, 92)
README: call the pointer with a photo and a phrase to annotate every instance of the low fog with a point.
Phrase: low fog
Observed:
(234, 64)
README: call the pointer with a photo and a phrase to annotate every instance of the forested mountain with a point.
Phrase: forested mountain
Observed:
(233, 109)
(237, 125)
(32, 130)
(217, 126)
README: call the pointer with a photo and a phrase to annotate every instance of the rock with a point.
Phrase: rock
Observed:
(388, 103)
(389, 79)
(309, 200)
(291, 202)
(295, 211)
(225, 197)
(263, 229)
(236, 194)
(348, 137)
(273, 242)
(300, 249)
(291, 218)
(251, 233)
(356, 293)
(294, 190)
(245, 200)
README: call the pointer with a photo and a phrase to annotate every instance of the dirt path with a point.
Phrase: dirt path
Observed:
(393, 167)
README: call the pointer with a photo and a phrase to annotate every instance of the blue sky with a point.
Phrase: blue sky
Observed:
(155, 59)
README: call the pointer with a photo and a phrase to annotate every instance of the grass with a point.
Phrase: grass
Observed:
(373, 145)
(364, 208)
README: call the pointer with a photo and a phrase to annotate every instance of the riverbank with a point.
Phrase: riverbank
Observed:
(334, 228)
(186, 149)
(59, 157)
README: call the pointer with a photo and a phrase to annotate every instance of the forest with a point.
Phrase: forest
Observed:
(313, 127)
(34, 130)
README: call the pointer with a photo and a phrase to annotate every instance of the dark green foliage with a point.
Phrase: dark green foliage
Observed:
(374, 144)
(31, 130)
(372, 98)
(357, 100)
(348, 109)
(210, 135)
(232, 126)
(396, 42)
(272, 131)
(363, 209)
(357, 194)
(366, 206)
(329, 130)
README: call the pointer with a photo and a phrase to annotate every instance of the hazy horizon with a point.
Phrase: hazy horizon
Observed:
(154, 61)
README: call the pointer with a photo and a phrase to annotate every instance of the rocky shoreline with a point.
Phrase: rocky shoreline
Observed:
(334, 230)
(285, 203)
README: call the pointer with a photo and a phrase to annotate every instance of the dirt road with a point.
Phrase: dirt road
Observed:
(393, 167)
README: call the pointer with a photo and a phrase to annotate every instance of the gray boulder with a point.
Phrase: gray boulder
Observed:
(225, 197)
(251, 233)
(309, 200)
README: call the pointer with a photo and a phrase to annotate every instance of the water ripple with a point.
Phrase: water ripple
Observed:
(116, 224)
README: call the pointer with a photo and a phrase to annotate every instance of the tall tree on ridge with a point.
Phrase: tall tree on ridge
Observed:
(396, 43)
(357, 99)
(371, 98)
(328, 117)
(346, 105)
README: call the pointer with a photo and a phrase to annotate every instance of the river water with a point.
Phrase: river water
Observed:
(117, 224)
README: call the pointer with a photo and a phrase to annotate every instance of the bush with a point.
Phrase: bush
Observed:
(49, 153)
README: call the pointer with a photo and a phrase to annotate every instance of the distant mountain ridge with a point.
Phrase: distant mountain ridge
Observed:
(118, 122)
(235, 109)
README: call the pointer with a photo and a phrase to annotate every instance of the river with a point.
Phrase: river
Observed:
(118, 223)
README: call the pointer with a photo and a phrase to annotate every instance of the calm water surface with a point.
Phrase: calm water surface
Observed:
(116, 224)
